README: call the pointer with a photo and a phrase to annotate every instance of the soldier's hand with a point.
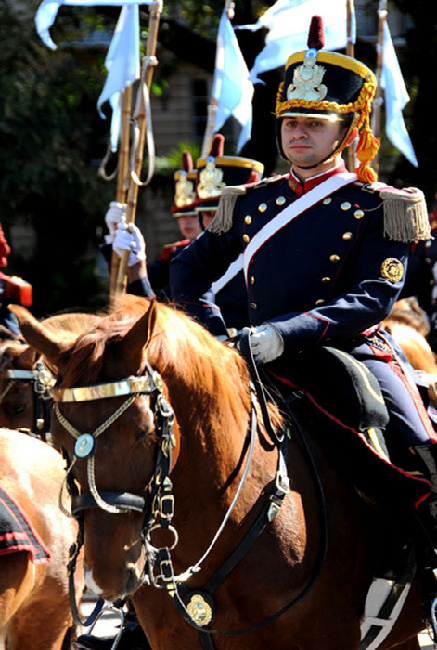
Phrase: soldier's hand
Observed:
(113, 217)
(266, 343)
(128, 237)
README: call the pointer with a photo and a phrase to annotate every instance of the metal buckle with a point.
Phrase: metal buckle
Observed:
(168, 500)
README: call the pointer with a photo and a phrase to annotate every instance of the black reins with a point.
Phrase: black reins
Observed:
(202, 598)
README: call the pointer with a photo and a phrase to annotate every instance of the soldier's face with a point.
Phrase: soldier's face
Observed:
(189, 226)
(306, 141)
(206, 217)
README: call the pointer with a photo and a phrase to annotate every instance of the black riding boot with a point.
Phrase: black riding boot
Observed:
(428, 456)
(427, 541)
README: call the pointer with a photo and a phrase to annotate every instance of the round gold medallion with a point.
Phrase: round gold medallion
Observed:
(392, 269)
(199, 610)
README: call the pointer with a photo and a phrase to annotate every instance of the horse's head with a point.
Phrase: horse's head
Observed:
(107, 389)
(139, 400)
(17, 385)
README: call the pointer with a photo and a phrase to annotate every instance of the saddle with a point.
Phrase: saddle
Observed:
(341, 400)
(17, 533)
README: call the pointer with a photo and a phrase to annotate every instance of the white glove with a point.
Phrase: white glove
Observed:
(113, 217)
(128, 237)
(266, 343)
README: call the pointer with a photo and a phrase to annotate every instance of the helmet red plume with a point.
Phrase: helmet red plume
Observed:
(218, 145)
(187, 161)
(316, 33)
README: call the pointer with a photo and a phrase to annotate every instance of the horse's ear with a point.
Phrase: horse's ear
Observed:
(136, 338)
(36, 335)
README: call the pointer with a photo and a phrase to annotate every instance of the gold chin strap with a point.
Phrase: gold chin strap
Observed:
(144, 384)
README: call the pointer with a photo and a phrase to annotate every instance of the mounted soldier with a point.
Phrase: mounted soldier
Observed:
(325, 250)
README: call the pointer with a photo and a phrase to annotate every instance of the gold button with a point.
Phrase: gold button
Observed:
(347, 236)
(252, 280)
(248, 219)
(253, 305)
(327, 201)
(280, 200)
(319, 302)
(246, 238)
(334, 258)
(326, 279)
(262, 207)
(346, 206)
(358, 214)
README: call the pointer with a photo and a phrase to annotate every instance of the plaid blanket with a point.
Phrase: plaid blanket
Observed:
(17, 533)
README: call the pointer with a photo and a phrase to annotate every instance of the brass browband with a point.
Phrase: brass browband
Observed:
(20, 374)
(145, 384)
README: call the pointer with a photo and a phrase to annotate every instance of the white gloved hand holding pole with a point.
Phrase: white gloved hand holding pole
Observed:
(113, 217)
(128, 237)
(266, 343)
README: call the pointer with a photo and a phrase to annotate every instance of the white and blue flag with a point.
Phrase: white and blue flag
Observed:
(396, 97)
(232, 89)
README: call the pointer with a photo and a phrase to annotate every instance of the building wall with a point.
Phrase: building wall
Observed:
(176, 112)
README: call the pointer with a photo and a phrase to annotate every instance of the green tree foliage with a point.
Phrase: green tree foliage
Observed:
(50, 135)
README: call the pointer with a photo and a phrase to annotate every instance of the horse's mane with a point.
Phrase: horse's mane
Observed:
(69, 325)
(180, 349)
(11, 350)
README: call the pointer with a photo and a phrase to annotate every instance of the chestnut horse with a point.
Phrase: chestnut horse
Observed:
(409, 326)
(34, 593)
(159, 421)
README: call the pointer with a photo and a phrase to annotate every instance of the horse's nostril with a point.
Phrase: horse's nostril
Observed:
(132, 579)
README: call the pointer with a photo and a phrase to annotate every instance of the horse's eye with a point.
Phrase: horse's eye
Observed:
(15, 409)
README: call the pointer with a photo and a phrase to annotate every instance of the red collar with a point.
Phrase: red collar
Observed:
(302, 187)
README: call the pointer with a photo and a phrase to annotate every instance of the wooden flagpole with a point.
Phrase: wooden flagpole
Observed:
(122, 176)
(377, 102)
(149, 63)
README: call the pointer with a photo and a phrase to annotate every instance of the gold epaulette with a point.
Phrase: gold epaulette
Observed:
(222, 221)
(405, 213)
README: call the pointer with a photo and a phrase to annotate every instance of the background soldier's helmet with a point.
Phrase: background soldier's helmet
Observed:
(330, 84)
(185, 181)
(217, 171)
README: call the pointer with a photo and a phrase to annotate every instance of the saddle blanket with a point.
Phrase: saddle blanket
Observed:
(17, 533)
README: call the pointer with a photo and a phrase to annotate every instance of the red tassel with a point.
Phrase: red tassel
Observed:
(218, 145)
(316, 34)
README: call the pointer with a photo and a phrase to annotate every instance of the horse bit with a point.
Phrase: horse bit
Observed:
(42, 382)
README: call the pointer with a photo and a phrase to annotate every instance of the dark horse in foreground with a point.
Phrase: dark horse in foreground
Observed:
(34, 587)
(166, 503)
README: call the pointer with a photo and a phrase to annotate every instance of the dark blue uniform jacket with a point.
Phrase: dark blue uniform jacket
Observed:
(322, 278)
